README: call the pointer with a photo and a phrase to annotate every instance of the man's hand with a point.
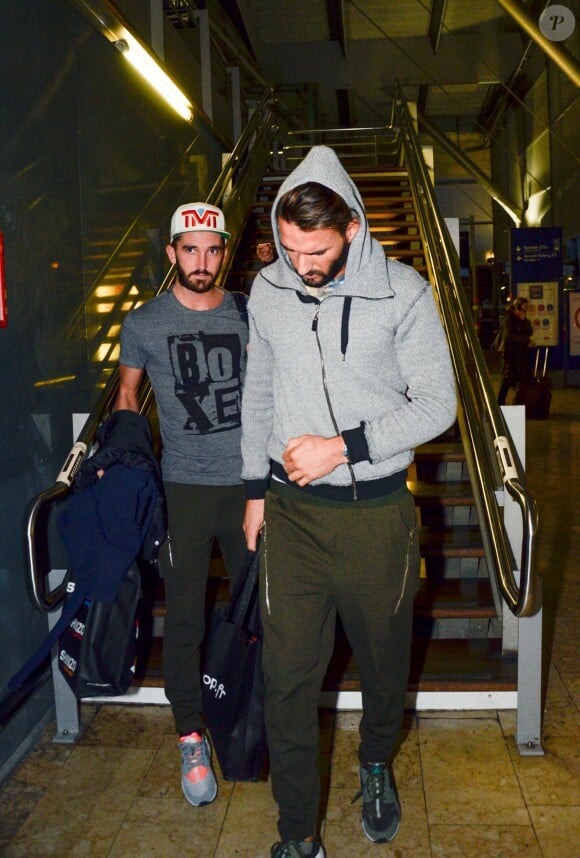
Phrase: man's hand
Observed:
(253, 522)
(310, 457)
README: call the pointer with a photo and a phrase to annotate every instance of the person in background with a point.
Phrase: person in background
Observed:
(348, 371)
(191, 341)
(517, 334)
(266, 251)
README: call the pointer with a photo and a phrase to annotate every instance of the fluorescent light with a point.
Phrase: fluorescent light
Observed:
(146, 65)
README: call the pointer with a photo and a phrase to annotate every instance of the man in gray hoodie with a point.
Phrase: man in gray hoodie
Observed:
(348, 371)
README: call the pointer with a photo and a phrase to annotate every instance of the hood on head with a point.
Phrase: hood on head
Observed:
(322, 165)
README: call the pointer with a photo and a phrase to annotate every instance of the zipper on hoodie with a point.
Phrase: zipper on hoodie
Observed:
(327, 395)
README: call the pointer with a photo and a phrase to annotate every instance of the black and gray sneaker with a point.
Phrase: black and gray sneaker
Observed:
(381, 813)
(298, 849)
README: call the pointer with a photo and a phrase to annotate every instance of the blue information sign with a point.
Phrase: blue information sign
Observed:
(536, 272)
(536, 254)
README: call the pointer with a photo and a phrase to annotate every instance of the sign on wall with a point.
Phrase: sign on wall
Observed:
(542, 311)
(536, 272)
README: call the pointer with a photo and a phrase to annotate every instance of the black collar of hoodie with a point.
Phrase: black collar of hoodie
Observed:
(310, 299)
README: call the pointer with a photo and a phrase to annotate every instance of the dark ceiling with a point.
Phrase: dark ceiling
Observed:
(460, 60)
(334, 61)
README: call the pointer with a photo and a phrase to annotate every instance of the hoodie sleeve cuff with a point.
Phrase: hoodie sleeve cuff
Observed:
(256, 489)
(358, 449)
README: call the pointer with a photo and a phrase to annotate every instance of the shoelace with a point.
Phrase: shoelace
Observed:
(374, 788)
(194, 753)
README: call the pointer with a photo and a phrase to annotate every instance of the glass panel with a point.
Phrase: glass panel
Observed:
(85, 147)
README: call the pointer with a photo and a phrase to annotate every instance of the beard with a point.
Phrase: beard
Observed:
(192, 281)
(316, 279)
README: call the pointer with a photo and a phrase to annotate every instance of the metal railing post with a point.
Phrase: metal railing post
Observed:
(529, 715)
(65, 703)
(523, 635)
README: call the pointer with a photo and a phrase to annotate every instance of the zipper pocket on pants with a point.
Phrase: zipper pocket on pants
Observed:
(410, 542)
(266, 580)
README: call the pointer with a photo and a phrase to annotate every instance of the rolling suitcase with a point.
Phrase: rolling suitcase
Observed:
(536, 394)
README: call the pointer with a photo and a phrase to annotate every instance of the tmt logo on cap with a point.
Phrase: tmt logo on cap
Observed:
(198, 217)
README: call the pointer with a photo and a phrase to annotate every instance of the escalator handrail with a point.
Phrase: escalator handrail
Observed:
(254, 136)
(492, 458)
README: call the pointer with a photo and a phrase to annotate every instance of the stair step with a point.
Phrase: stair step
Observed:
(442, 494)
(459, 598)
(373, 200)
(456, 541)
(358, 174)
(440, 451)
(402, 252)
(438, 665)
(394, 236)
(261, 212)
(460, 665)
(362, 175)
(397, 205)
(407, 232)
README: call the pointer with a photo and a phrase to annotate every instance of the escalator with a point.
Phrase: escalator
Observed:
(478, 575)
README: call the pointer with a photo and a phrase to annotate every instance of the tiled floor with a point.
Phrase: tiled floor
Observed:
(465, 790)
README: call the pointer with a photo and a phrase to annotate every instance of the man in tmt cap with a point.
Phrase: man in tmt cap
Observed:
(191, 341)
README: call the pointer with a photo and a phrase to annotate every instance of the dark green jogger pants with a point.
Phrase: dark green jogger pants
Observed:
(362, 561)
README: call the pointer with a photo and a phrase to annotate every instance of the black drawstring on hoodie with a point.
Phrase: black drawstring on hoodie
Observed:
(308, 299)
(344, 325)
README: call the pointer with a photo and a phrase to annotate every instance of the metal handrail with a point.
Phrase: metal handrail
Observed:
(233, 191)
(374, 143)
(490, 455)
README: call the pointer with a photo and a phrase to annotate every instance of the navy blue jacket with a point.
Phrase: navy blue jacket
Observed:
(107, 521)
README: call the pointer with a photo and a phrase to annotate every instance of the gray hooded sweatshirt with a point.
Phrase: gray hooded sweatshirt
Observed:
(369, 361)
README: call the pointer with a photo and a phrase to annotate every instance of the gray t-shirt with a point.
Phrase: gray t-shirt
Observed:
(196, 362)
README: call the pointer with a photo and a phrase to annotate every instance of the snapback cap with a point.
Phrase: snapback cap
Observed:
(198, 217)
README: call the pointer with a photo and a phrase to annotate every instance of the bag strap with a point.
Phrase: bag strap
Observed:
(70, 608)
(243, 601)
(242, 305)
